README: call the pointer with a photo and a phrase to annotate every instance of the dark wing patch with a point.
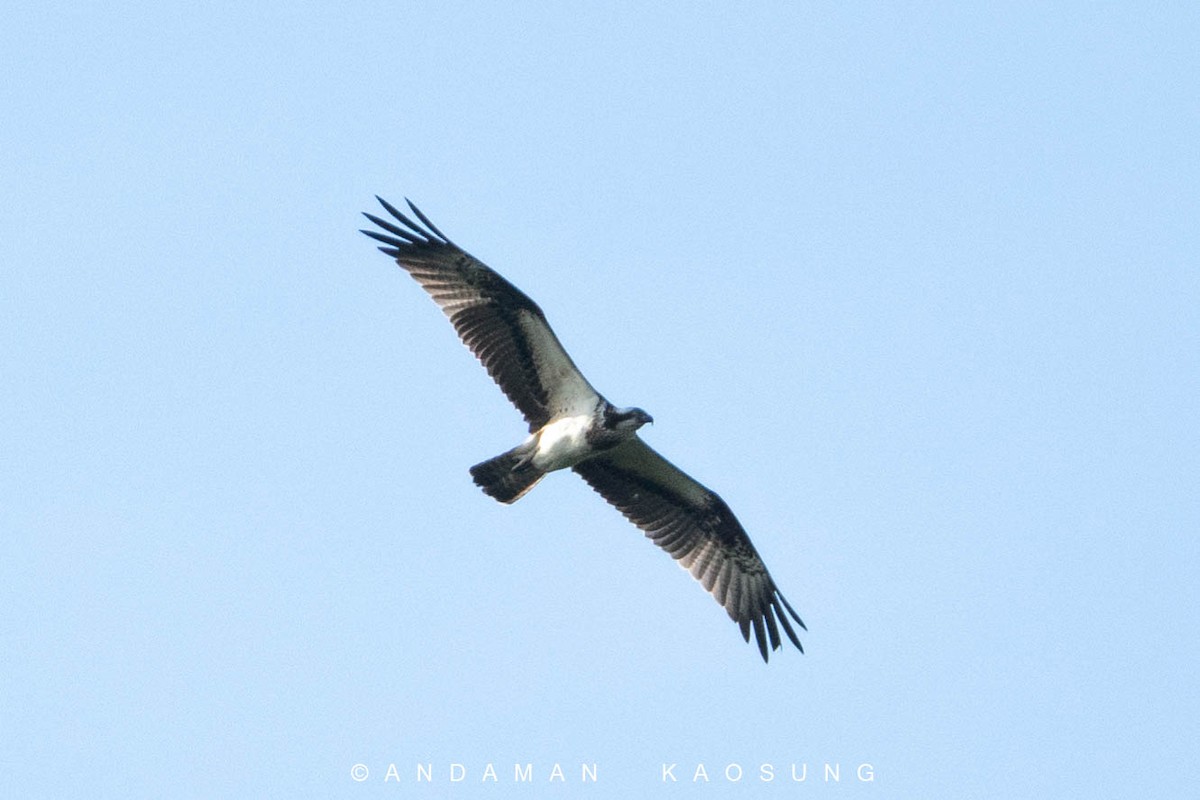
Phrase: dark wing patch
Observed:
(500, 324)
(697, 528)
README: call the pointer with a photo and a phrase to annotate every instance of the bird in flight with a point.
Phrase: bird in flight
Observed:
(572, 426)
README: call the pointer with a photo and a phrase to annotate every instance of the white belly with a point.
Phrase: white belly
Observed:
(562, 443)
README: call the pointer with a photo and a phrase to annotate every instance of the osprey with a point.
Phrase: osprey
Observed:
(572, 426)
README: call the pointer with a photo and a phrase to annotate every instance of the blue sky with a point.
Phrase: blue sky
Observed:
(915, 289)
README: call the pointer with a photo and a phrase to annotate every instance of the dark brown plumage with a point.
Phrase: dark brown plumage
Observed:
(701, 533)
(509, 334)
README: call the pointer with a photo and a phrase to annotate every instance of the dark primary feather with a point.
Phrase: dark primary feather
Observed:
(697, 528)
(485, 309)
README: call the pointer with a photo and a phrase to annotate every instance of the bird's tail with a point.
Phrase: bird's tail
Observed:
(509, 476)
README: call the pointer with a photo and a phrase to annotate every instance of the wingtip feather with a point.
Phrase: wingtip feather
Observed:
(790, 610)
(425, 220)
(791, 633)
(760, 635)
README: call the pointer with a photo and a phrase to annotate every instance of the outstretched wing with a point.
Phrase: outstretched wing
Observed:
(505, 329)
(697, 528)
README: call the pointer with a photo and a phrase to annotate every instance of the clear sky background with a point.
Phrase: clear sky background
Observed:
(916, 289)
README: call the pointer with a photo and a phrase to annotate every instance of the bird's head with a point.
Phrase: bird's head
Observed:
(628, 419)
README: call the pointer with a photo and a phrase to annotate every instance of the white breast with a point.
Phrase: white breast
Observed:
(562, 443)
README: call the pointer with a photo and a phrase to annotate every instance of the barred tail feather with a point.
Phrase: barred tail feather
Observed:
(507, 477)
